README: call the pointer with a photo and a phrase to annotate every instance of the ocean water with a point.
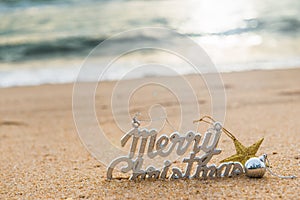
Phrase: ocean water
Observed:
(46, 41)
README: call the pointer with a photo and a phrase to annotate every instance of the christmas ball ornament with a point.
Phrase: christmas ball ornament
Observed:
(255, 167)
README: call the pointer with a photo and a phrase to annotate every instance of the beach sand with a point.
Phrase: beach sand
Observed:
(43, 157)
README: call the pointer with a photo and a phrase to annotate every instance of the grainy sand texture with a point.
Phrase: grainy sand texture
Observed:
(42, 156)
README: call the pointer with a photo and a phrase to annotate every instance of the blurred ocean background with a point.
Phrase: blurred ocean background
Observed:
(46, 41)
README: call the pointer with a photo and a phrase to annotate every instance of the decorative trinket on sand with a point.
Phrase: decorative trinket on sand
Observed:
(244, 161)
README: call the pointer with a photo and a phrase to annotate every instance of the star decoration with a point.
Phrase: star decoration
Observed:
(243, 153)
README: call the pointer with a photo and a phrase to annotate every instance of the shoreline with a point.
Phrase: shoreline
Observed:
(43, 157)
(74, 71)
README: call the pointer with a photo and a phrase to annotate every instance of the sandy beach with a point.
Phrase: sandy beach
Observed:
(43, 157)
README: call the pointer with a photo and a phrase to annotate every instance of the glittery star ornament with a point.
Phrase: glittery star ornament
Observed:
(243, 153)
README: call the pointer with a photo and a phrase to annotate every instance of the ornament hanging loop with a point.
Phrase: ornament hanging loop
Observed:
(135, 122)
(269, 170)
